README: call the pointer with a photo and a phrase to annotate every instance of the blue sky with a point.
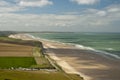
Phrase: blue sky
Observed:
(60, 15)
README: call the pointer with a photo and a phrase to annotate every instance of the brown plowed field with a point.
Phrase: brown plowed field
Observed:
(7, 49)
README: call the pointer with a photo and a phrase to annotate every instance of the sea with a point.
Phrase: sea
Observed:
(102, 43)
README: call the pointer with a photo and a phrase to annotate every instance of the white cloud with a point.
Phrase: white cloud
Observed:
(102, 13)
(35, 3)
(6, 7)
(3, 3)
(105, 17)
(96, 18)
(87, 19)
(86, 2)
(113, 8)
(10, 9)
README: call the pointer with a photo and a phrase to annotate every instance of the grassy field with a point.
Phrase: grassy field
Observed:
(16, 62)
(35, 75)
(16, 55)
(20, 55)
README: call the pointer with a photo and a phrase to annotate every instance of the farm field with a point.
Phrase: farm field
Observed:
(8, 49)
(25, 56)
(16, 62)
(35, 75)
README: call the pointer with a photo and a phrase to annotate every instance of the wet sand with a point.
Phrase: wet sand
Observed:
(88, 64)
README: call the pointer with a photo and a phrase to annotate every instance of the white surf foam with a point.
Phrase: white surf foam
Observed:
(83, 47)
(97, 51)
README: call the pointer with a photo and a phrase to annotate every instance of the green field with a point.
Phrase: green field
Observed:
(16, 62)
(35, 75)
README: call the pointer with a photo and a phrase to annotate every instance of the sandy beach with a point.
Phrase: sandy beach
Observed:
(88, 64)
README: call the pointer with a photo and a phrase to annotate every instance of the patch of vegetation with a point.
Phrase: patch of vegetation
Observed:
(44, 64)
(75, 77)
(37, 51)
(33, 75)
(16, 62)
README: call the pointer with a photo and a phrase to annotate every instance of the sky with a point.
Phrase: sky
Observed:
(60, 15)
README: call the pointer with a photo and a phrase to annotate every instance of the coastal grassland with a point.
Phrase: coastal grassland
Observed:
(13, 53)
(16, 62)
(34, 75)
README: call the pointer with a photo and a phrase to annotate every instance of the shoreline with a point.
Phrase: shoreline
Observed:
(87, 64)
(78, 46)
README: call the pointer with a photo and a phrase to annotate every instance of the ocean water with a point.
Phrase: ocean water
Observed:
(106, 43)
